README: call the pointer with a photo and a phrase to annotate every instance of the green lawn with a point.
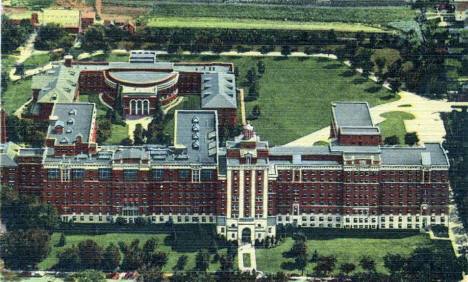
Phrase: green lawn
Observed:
(8, 61)
(119, 132)
(347, 248)
(394, 124)
(106, 239)
(108, 57)
(296, 93)
(246, 260)
(213, 22)
(16, 94)
(190, 102)
(36, 61)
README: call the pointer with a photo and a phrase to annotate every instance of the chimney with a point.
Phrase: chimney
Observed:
(68, 60)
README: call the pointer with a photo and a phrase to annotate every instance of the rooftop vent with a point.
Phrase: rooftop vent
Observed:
(72, 112)
(196, 127)
(196, 145)
(195, 119)
(71, 121)
(69, 130)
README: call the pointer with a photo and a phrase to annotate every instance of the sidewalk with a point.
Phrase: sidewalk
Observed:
(246, 249)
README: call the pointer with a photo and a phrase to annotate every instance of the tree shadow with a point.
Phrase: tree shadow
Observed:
(348, 73)
(373, 89)
(387, 97)
(359, 80)
(288, 265)
(302, 59)
(332, 66)
(322, 60)
(282, 58)
(209, 57)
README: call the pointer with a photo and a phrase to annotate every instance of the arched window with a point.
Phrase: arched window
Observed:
(145, 107)
(133, 107)
(140, 107)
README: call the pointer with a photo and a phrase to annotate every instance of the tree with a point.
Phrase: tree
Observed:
(251, 76)
(89, 276)
(286, 50)
(226, 263)
(126, 142)
(62, 240)
(111, 259)
(24, 250)
(53, 36)
(182, 262)
(138, 135)
(256, 112)
(392, 140)
(367, 263)
(331, 36)
(202, 260)
(411, 138)
(360, 36)
(90, 253)
(253, 92)
(394, 263)
(394, 85)
(13, 35)
(325, 265)
(150, 274)
(68, 259)
(158, 259)
(261, 67)
(347, 268)
(94, 38)
(23, 212)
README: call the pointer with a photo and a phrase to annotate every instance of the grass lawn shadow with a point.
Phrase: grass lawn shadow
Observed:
(373, 89)
(359, 80)
(348, 73)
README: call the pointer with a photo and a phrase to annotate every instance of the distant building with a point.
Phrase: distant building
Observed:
(73, 20)
(461, 6)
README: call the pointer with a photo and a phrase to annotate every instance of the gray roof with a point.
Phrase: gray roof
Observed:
(356, 149)
(131, 153)
(8, 152)
(7, 161)
(197, 133)
(352, 114)
(359, 130)
(140, 76)
(218, 90)
(429, 154)
(76, 120)
(58, 85)
(286, 150)
(142, 56)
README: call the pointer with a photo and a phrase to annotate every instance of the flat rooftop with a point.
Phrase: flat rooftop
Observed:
(197, 133)
(75, 119)
(356, 114)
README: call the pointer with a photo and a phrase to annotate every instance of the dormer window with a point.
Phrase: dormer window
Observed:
(71, 121)
(72, 112)
(69, 130)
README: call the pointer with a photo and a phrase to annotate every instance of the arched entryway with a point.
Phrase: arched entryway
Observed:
(246, 235)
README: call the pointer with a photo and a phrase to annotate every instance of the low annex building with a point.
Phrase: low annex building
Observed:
(139, 84)
(246, 188)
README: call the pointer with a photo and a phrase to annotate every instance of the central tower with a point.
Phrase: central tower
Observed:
(247, 189)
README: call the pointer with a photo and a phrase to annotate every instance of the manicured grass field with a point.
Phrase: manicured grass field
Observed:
(106, 239)
(369, 15)
(16, 94)
(8, 61)
(296, 93)
(108, 57)
(36, 61)
(213, 22)
(347, 248)
(394, 124)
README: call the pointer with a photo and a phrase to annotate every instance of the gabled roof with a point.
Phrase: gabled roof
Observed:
(218, 90)
(57, 85)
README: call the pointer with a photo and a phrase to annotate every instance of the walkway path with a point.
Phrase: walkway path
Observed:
(145, 121)
(104, 102)
(20, 110)
(246, 249)
(242, 104)
(173, 104)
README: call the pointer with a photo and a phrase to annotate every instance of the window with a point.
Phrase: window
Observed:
(105, 173)
(208, 174)
(130, 174)
(78, 174)
(196, 175)
(184, 173)
(53, 174)
(158, 173)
